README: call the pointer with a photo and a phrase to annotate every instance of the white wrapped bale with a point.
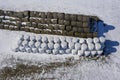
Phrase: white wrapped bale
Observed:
(98, 46)
(22, 49)
(71, 45)
(102, 39)
(99, 52)
(33, 38)
(68, 39)
(61, 52)
(75, 40)
(80, 52)
(34, 50)
(31, 44)
(84, 47)
(44, 39)
(38, 38)
(62, 39)
(77, 46)
(87, 53)
(44, 46)
(27, 37)
(89, 40)
(48, 51)
(51, 45)
(82, 40)
(28, 49)
(91, 46)
(93, 53)
(96, 40)
(50, 39)
(64, 45)
(57, 46)
(41, 50)
(55, 51)
(56, 40)
(38, 44)
(25, 43)
(68, 51)
(74, 51)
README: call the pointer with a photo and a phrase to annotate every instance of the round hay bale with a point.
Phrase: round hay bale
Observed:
(80, 52)
(56, 40)
(48, 51)
(81, 40)
(96, 40)
(84, 47)
(74, 51)
(44, 39)
(64, 45)
(68, 51)
(98, 46)
(77, 46)
(71, 45)
(89, 40)
(56, 46)
(44, 46)
(87, 53)
(28, 49)
(93, 53)
(102, 39)
(91, 46)
(41, 50)
(38, 44)
(34, 50)
(99, 52)
(61, 52)
(55, 51)
(51, 45)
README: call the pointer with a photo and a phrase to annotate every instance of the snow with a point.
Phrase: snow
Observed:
(106, 10)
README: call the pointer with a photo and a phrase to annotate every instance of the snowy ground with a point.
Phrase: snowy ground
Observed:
(107, 10)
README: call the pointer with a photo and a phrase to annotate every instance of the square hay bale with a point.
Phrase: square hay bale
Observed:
(95, 18)
(62, 27)
(18, 14)
(42, 21)
(67, 17)
(40, 26)
(86, 30)
(48, 21)
(49, 15)
(95, 34)
(26, 13)
(50, 26)
(79, 24)
(64, 33)
(83, 35)
(56, 27)
(61, 16)
(8, 13)
(27, 29)
(22, 28)
(73, 23)
(28, 24)
(73, 17)
(1, 12)
(11, 27)
(6, 26)
(35, 25)
(34, 14)
(24, 19)
(75, 29)
(68, 28)
(79, 17)
(55, 15)
(36, 30)
(77, 34)
(61, 22)
(1, 26)
(43, 14)
(89, 35)
(86, 18)
(85, 24)
(54, 21)
(66, 23)
(16, 28)
(70, 33)
(32, 29)
(80, 30)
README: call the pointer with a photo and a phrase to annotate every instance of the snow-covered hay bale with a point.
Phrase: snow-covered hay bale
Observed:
(51, 45)
(93, 53)
(102, 39)
(56, 46)
(55, 51)
(91, 46)
(38, 38)
(81, 40)
(25, 43)
(87, 53)
(64, 45)
(96, 40)
(62, 39)
(44, 39)
(38, 44)
(99, 52)
(50, 39)
(48, 51)
(31, 44)
(28, 49)
(61, 52)
(34, 50)
(44, 46)
(74, 51)
(33, 38)
(27, 37)
(84, 47)
(71, 45)
(98, 46)
(68, 51)
(77, 46)
(41, 50)
(75, 40)
(56, 40)
(80, 52)
(89, 40)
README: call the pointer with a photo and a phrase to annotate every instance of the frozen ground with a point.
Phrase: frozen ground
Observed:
(107, 10)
